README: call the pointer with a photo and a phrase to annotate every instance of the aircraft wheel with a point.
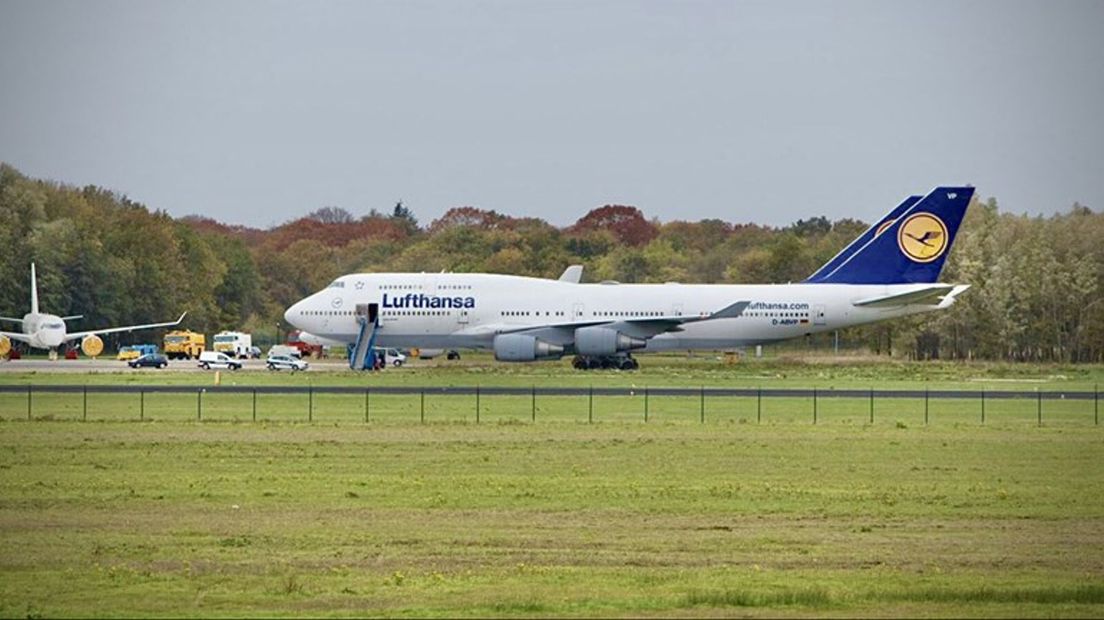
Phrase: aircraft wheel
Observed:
(206, 366)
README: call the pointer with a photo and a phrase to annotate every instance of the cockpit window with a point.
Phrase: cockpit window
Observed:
(55, 325)
(336, 284)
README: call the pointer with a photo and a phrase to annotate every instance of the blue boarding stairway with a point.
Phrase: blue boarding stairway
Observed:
(362, 353)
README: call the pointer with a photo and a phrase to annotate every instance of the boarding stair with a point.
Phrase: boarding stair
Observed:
(362, 353)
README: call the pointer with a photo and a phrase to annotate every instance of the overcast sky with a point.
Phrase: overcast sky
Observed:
(259, 112)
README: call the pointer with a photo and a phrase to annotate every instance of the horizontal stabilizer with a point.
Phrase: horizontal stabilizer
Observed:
(929, 295)
(8, 318)
(73, 317)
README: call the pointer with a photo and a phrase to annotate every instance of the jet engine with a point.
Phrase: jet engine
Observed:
(522, 348)
(5, 346)
(92, 345)
(604, 341)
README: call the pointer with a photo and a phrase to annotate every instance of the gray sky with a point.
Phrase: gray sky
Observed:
(259, 112)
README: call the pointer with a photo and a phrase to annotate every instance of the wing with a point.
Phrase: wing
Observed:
(128, 328)
(16, 336)
(8, 318)
(637, 327)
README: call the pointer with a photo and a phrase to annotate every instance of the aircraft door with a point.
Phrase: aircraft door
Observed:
(370, 311)
(676, 310)
(577, 312)
(819, 315)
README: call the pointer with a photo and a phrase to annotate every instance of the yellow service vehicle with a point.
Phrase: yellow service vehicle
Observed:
(184, 344)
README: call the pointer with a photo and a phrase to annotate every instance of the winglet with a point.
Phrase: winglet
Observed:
(731, 312)
(177, 322)
(573, 274)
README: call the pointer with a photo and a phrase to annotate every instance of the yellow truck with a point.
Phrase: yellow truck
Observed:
(184, 344)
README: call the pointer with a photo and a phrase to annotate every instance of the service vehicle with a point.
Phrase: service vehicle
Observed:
(234, 344)
(184, 344)
(134, 351)
(150, 360)
(285, 362)
(284, 349)
(218, 359)
(392, 357)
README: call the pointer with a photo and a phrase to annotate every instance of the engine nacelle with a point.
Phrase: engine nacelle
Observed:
(5, 346)
(604, 341)
(92, 345)
(522, 348)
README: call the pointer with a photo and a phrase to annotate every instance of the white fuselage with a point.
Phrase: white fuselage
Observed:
(44, 331)
(468, 310)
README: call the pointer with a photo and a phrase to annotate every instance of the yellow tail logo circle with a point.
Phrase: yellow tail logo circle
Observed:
(922, 237)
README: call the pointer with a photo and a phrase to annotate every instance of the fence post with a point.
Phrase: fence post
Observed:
(645, 404)
(533, 404)
(84, 415)
(142, 405)
(423, 405)
(702, 404)
(367, 391)
(871, 406)
(590, 406)
(983, 406)
(814, 405)
(310, 403)
(925, 406)
(1096, 404)
(199, 404)
(254, 404)
(1039, 405)
(29, 401)
(759, 405)
(477, 404)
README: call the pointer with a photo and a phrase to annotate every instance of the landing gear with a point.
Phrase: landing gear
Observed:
(620, 361)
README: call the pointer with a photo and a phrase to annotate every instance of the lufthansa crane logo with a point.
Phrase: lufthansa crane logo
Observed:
(922, 237)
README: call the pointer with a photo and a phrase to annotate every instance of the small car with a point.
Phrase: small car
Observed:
(280, 362)
(149, 360)
(391, 357)
(217, 359)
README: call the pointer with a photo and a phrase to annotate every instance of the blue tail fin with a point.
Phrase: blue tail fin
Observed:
(912, 249)
(861, 240)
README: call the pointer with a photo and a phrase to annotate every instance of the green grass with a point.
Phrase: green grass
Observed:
(658, 409)
(562, 518)
(666, 370)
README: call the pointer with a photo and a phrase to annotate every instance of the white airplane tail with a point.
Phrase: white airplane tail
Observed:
(34, 291)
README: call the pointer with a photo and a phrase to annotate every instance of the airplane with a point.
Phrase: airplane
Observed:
(888, 272)
(47, 331)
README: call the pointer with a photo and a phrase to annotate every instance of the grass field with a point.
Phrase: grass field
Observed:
(667, 370)
(513, 519)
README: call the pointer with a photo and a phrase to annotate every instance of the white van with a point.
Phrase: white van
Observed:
(392, 357)
(218, 359)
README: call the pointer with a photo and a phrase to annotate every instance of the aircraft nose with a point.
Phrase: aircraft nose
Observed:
(50, 337)
(293, 313)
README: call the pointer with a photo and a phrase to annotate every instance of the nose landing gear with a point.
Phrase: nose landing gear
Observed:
(620, 361)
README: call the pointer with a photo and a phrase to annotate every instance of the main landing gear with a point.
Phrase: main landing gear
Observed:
(620, 361)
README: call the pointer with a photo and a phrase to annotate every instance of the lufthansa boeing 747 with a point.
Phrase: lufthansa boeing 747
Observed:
(888, 272)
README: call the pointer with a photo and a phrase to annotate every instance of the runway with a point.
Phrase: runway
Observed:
(104, 365)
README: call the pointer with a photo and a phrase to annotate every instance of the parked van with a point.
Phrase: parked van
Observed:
(284, 349)
(218, 359)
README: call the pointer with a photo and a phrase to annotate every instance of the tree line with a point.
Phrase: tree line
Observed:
(1038, 282)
